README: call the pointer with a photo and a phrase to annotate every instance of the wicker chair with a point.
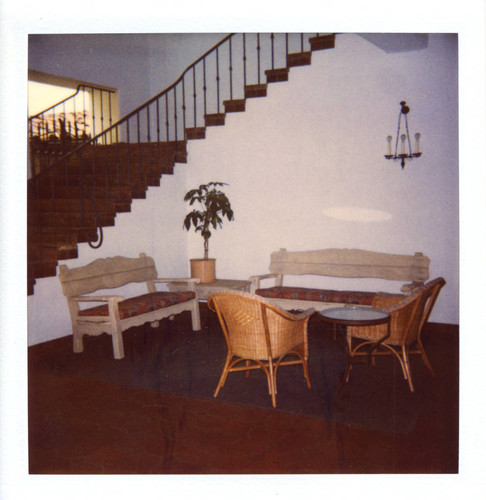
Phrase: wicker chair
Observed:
(408, 317)
(260, 336)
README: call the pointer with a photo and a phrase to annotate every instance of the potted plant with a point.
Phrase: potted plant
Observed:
(213, 205)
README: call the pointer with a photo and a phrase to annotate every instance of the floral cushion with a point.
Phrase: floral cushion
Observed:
(142, 304)
(318, 295)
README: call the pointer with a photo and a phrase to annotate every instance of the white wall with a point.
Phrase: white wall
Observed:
(317, 142)
(314, 143)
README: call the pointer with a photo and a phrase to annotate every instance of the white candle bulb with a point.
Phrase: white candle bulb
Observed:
(389, 140)
(417, 143)
(403, 137)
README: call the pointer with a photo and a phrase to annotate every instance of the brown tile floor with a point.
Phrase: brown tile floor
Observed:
(79, 426)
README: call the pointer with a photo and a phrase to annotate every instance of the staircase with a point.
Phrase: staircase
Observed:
(72, 199)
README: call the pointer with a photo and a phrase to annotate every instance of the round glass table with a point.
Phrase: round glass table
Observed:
(355, 316)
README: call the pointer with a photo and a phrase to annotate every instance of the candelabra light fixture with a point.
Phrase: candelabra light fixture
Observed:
(405, 144)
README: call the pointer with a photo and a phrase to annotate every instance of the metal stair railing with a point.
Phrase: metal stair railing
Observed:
(225, 74)
(60, 128)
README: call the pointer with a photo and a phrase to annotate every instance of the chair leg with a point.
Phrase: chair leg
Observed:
(272, 383)
(224, 375)
(349, 358)
(196, 316)
(306, 373)
(221, 382)
(117, 341)
(78, 342)
(425, 359)
(407, 371)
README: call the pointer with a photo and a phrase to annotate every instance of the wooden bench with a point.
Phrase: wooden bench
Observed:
(343, 263)
(119, 313)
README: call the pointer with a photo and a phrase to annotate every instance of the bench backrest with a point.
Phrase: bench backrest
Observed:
(352, 263)
(110, 272)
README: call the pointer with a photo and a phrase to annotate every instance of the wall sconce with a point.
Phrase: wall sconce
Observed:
(405, 140)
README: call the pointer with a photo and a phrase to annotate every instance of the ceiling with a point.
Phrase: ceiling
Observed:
(398, 42)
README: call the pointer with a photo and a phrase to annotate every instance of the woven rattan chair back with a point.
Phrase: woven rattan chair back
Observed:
(408, 318)
(260, 335)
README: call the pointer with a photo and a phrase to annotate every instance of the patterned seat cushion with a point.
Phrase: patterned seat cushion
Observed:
(317, 295)
(142, 304)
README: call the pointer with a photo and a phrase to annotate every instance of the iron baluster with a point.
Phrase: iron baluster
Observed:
(148, 123)
(183, 108)
(175, 114)
(139, 151)
(102, 116)
(93, 115)
(108, 167)
(258, 56)
(217, 79)
(244, 60)
(157, 127)
(272, 37)
(84, 113)
(167, 117)
(230, 50)
(117, 163)
(129, 169)
(204, 87)
(194, 94)
(110, 117)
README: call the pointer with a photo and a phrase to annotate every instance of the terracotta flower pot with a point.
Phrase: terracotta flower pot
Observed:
(204, 269)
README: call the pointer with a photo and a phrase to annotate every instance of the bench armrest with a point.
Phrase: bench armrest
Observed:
(255, 280)
(98, 298)
(112, 305)
(176, 280)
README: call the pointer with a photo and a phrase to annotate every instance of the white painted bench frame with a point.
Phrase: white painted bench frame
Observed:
(343, 263)
(114, 272)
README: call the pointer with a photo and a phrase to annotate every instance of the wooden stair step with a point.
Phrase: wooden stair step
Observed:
(65, 219)
(257, 90)
(75, 236)
(151, 149)
(122, 193)
(196, 133)
(84, 167)
(41, 252)
(215, 119)
(277, 75)
(234, 105)
(180, 157)
(42, 269)
(123, 180)
(121, 207)
(110, 167)
(101, 181)
(102, 206)
(299, 59)
(322, 42)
